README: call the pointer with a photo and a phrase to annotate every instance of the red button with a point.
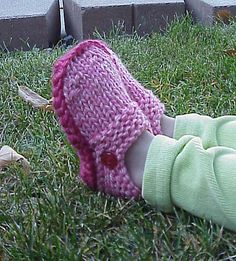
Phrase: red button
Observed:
(109, 160)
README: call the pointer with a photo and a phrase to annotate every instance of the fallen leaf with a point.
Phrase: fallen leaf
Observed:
(224, 16)
(35, 99)
(49, 107)
(9, 156)
(231, 52)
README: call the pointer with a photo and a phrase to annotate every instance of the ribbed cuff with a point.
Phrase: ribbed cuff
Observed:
(188, 124)
(156, 188)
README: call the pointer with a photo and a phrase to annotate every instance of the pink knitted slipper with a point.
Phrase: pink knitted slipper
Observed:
(146, 100)
(100, 119)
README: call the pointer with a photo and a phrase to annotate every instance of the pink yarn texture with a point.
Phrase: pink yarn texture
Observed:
(146, 100)
(93, 101)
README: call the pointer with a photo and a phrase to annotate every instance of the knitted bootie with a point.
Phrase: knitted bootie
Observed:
(98, 116)
(146, 100)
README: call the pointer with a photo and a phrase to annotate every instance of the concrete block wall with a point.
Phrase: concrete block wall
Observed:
(28, 23)
(83, 17)
(207, 12)
(153, 16)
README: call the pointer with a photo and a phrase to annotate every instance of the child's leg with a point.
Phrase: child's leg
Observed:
(213, 132)
(135, 157)
(167, 125)
(201, 181)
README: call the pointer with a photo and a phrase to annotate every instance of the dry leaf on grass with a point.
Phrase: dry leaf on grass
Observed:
(224, 16)
(49, 107)
(35, 99)
(9, 156)
(231, 52)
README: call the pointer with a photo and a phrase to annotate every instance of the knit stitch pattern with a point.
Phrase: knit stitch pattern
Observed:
(98, 117)
(146, 100)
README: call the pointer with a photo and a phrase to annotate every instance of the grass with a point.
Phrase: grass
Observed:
(50, 215)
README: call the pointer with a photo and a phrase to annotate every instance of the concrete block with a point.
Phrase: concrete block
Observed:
(83, 17)
(154, 15)
(208, 11)
(28, 23)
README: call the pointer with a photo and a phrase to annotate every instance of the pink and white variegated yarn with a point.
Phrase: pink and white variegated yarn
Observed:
(99, 117)
(146, 100)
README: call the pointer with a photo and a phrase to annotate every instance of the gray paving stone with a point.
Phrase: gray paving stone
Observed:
(207, 11)
(155, 15)
(28, 23)
(83, 17)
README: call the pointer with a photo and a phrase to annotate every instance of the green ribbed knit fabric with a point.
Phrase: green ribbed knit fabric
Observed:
(186, 174)
(213, 132)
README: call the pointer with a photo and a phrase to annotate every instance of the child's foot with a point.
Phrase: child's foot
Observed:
(100, 119)
(136, 157)
(167, 126)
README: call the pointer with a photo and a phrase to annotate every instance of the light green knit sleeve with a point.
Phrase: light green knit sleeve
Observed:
(213, 132)
(184, 174)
